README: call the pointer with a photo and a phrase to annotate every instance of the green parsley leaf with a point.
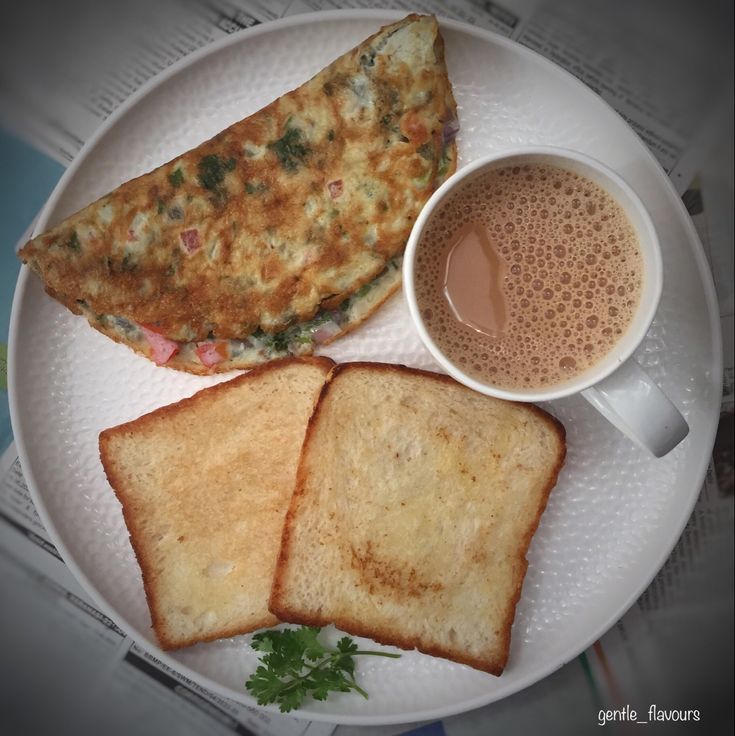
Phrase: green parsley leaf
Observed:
(265, 683)
(176, 178)
(290, 149)
(262, 642)
(212, 170)
(296, 664)
(73, 241)
(307, 638)
(346, 645)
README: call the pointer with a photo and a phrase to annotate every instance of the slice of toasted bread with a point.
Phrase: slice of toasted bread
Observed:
(415, 503)
(205, 485)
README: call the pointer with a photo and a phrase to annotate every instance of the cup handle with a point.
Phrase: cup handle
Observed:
(632, 402)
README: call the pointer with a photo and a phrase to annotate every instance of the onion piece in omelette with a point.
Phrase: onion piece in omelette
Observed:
(282, 232)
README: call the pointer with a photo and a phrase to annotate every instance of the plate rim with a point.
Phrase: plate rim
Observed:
(139, 637)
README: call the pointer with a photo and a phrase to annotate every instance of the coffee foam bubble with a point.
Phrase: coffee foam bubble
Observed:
(572, 275)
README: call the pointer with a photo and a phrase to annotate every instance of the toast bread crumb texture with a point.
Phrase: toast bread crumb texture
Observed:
(204, 486)
(415, 503)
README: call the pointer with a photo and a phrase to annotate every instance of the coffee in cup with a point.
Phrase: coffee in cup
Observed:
(534, 274)
(528, 275)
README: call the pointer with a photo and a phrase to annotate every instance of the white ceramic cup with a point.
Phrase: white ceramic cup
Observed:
(616, 386)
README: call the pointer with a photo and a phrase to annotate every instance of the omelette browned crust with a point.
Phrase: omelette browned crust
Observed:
(280, 223)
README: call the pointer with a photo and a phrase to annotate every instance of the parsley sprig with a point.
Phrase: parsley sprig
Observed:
(296, 664)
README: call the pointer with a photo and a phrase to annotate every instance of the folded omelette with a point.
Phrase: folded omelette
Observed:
(279, 234)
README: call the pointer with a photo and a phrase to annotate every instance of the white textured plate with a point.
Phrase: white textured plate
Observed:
(616, 512)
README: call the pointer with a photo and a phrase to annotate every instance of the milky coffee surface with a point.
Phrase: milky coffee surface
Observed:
(527, 276)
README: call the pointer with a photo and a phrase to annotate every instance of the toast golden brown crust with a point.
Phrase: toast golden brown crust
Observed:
(288, 607)
(172, 509)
